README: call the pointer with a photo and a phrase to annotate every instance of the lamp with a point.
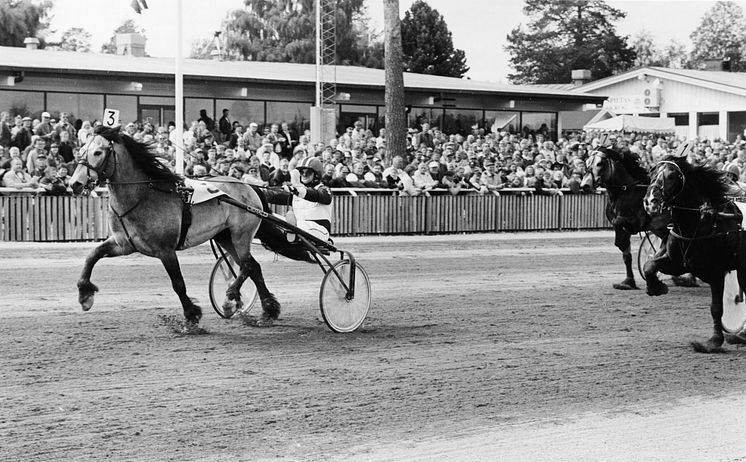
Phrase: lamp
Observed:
(244, 92)
(343, 97)
(136, 86)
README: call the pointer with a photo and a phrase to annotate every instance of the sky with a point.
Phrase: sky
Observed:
(479, 27)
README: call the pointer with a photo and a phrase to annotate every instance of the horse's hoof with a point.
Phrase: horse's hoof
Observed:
(86, 302)
(231, 307)
(657, 289)
(707, 347)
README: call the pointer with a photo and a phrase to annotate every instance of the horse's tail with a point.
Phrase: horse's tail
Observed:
(274, 237)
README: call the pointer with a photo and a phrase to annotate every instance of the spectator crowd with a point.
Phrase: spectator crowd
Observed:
(40, 154)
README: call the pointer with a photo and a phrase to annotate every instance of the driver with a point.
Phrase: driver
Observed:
(311, 201)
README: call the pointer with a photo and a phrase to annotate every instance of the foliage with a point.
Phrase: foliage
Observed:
(428, 45)
(22, 19)
(567, 35)
(127, 27)
(674, 55)
(73, 39)
(284, 31)
(720, 35)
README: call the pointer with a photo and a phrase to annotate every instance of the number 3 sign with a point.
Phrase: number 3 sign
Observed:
(111, 117)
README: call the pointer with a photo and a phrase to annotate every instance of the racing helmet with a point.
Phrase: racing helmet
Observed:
(312, 163)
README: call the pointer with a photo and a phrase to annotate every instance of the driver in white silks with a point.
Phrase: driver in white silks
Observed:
(311, 201)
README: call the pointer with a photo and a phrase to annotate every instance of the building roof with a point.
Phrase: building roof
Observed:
(67, 62)
(729, 82)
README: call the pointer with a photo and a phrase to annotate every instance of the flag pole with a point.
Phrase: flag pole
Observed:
(179, 92)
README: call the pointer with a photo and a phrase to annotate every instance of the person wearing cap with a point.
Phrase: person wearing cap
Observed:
(268, 147)
(311, 201)
(45, 128)
(36, 159)
(23, 137)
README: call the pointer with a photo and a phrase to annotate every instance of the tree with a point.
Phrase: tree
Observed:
(284, 31)
(720, 35)
(22, 19)
(127, 27)
(427, 43)
(562, 36)
(73, 39)
(396, 125)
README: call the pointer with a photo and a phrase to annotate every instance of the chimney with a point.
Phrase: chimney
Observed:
(130, 44)
(580, 76)
(32, 43)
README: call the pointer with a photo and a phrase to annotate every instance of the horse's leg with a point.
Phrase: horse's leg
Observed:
(715, 343)
(661, 262)
(270, 305)
(192, 312)
(87, 289)
(622, 241)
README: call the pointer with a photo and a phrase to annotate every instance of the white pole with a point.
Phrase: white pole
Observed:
(179, 93)
(318, 53)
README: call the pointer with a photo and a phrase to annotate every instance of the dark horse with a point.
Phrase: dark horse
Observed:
(146, 212)
(706, 237)
(625, 181)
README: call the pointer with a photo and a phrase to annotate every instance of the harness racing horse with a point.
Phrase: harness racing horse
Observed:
(625, 181)
(145, 215)
(706, 237)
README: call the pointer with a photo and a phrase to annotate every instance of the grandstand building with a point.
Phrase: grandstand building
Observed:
(142, 88)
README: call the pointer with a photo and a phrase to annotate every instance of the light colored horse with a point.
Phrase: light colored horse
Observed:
(145, 215)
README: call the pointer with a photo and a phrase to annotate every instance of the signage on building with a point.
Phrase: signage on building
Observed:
(630, 104)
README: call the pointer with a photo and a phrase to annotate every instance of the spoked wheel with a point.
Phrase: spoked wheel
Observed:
(649, 246)
(339, 313)
(223, 274)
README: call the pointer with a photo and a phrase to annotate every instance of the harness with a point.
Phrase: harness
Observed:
(106, 170)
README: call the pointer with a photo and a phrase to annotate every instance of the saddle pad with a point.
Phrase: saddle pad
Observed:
(203, 190)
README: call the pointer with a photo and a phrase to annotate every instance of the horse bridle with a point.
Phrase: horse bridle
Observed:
(102, 171)
(610, 164)
(659, 182)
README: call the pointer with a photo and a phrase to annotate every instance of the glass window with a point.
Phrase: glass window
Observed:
(459, 121)
(496, 121)
(419, 115)
(680, 119)
(243, 111)
(79, 106)
(709, 118)
(297, 115)
(24, 103)
(127, 106)
(544, 123)
(192, 106)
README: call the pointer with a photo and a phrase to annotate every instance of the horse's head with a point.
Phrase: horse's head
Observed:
(667, 184)
(600, 167)
(96, 164)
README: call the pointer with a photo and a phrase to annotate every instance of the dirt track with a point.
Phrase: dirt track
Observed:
(488, 347)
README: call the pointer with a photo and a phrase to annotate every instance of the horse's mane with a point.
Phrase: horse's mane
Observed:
(706, 179)
(142, 154)
(630, 162)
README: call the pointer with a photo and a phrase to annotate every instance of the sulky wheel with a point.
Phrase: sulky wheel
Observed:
(339, 313)
(649, 246)
(222, 275)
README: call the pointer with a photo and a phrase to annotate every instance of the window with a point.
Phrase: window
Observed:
(192, 106)
(243, 111)
(419, 115)
(497, 121)
(297, 115)
(24, 103)
(459, 121)
(539, 123)
(127, 106)
(79, 106)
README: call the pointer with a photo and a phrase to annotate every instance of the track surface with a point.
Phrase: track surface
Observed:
(478, 347)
